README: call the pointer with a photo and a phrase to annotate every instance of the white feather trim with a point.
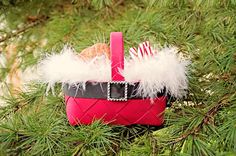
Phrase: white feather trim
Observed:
(67, 67)
(163, 70)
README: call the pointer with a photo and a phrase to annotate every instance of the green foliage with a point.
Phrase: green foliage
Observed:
(35, 124)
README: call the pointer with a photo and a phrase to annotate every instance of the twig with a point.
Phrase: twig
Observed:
(204, 121)
(154, 146)
(114, 6)
(23, 29)
(119, 2)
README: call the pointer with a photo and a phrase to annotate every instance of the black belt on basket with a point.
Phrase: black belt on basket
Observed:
(113, 91)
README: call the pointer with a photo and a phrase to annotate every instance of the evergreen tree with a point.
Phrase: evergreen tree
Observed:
(204, 123)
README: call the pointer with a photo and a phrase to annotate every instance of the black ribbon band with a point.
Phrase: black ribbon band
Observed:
(98, 90)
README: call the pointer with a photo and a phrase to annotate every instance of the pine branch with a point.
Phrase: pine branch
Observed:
(25, 28)
(205, 31)
(206, 120)
(23, 99)
(154, 145)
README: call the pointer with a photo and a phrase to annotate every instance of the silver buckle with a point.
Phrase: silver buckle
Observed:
(117, 91)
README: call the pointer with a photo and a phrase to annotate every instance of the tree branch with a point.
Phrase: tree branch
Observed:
(205, 120)
(23, 29)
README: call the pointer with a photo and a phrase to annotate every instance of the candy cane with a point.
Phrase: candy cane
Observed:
(133, 53)
(144, 51)
(140, 52)
(148, 48)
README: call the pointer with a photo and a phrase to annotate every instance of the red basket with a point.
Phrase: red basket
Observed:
(114, 102)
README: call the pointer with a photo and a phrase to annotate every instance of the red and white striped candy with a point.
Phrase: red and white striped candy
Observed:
(133, 53)
(144, 51)
(141, 51)
(148, 48)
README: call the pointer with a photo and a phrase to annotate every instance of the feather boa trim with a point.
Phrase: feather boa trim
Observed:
(163, 70)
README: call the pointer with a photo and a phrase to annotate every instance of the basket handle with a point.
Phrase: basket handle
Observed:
(117, 55)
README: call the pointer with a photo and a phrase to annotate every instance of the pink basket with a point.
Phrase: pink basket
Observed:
(114, 102)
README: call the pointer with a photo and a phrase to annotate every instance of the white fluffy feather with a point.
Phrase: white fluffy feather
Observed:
(67, 67)
(164, 69)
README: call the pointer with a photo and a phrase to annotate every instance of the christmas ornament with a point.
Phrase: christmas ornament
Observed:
(117, 90)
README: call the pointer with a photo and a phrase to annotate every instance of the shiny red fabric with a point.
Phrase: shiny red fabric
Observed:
(134, 111)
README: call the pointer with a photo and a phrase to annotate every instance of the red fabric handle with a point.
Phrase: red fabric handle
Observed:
(117, 55)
